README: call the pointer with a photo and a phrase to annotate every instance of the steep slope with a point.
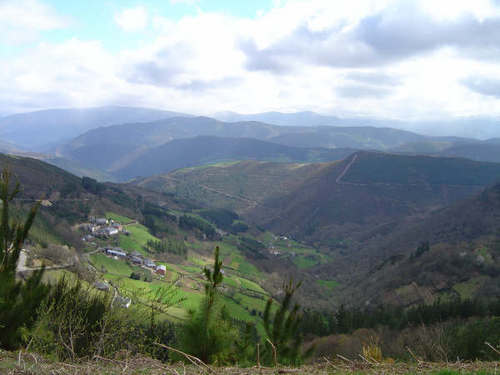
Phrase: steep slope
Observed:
(237, 186)
(370, 193)
(188, 152)
(462, 259)
(35, 131)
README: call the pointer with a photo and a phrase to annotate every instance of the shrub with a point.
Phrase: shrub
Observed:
(19, 301)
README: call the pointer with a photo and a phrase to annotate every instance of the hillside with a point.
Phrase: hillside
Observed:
(37, 131)
(237, 186)
(113, 148)
(156, 225)
(349, 200)
(331, 202)
(188, 152)
(482, 151)
(462, 258)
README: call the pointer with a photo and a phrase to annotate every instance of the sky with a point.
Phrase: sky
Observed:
(407, 60)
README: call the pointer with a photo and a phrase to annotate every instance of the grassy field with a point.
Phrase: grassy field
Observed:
(243, 297)
(119, 218)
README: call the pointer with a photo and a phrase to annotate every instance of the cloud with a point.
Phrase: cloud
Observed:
(132, 19)
(483, 86)
(163, 68)
(374, 78)
(21, 21)
(362, 91)
(379, 58)
(399, 31)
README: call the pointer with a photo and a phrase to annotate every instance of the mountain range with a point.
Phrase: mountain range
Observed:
(143, 149)
(41, 130)
(120, 143)
(468, 127)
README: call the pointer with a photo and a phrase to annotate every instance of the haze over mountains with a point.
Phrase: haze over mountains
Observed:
(469, 127)
(38, 131)
(120, 143)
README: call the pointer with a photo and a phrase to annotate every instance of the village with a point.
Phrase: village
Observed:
(104, 229)
(102, 233)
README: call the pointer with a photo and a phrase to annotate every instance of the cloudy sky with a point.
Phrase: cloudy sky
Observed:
(429, 59)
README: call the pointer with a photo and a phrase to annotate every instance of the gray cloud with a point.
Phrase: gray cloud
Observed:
(361, 91)
(394, 34)
(374, 78)
(163, 68)
(166, 67)
(203, 85)
(484, 86)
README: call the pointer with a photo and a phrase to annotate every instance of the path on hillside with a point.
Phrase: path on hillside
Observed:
(346, 169)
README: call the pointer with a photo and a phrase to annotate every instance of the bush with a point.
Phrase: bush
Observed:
(467, 341)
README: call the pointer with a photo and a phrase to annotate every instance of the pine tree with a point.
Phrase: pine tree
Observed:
(284, 340)
(209, 333)
(19, 301)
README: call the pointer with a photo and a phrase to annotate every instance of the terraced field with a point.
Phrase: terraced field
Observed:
(244, 298)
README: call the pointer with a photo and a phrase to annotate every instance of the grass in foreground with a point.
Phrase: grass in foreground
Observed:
(30, 363)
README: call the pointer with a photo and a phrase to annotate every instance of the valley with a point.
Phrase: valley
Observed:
(361, 229)
(249, 187)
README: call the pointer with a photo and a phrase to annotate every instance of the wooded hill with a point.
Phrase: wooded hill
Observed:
(122, 150)
(367, 212)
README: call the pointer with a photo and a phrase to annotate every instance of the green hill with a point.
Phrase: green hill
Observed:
(237, 186)
(197, 151)
(124, 150)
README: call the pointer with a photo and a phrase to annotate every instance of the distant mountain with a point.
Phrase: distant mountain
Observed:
(482, 151)
(7, 147)
(468, 127)
(283, 119)
(189, 152)
(37, 131)
(488, 150)
(366, 138)
(113, 148)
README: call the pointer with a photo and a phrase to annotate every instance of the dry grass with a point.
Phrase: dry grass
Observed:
(29, 363)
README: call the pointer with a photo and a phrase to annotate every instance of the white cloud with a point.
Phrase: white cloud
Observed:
(21, 21)
(132, 19)
(197, 64)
